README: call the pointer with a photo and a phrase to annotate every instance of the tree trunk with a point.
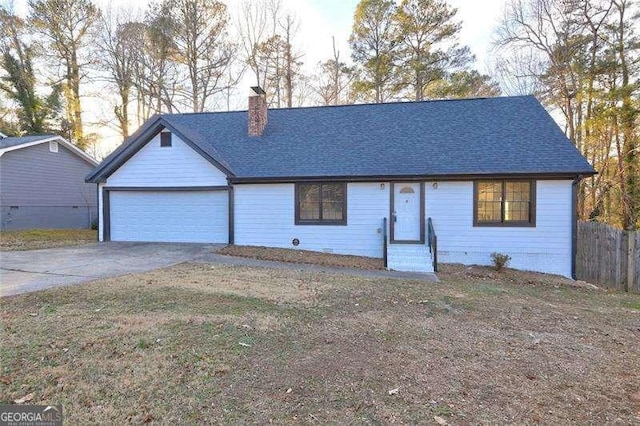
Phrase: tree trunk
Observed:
(419, 89)
(122, 113)
(630, 180)
(74, 107)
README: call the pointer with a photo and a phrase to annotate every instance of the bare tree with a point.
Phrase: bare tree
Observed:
(117, 58)
(626, 45)
(268, 38)
(292, 58)
(66, 26)
(202, 48)
(549, 32)
(583, 55)
(156, 75)
(257, 23)
(333, 81)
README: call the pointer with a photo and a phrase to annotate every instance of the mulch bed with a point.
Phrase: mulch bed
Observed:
(303, 256)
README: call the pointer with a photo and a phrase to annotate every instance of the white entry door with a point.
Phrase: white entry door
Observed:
(406, 214)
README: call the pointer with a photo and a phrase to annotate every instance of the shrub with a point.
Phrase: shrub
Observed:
(500, 260)
(94, 224)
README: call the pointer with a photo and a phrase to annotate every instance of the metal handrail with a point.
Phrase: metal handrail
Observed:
(384, 240)
(433, 244)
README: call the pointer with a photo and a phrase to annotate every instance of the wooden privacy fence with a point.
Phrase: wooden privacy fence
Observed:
(608, 257)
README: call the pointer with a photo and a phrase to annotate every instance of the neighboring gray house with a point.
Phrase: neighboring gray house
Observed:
(42, 184)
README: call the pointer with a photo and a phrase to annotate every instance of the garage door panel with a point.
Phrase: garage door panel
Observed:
(169, 216)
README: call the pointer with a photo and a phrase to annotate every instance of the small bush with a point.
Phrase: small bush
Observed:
(94, 224)
(500, 260)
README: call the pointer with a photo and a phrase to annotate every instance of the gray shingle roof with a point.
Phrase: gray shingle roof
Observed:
(14, 141)
(506, 135)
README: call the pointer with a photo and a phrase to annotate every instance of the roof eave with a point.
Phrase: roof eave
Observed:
(49, 138)
(421, 177)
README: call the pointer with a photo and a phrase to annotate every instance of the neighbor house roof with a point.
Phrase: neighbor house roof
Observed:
(447, 138)
(13, 143)
(10, 141)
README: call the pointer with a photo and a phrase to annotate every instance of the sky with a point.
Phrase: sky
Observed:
(319, 21)
(323, 18)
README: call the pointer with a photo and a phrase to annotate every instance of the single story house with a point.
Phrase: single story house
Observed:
(42, 184)
(484, 175)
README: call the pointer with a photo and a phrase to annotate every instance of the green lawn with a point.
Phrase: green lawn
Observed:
(199, 343)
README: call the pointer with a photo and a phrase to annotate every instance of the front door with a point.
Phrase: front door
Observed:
(406, 212)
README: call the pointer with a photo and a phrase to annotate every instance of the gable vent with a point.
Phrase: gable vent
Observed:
(53, 146)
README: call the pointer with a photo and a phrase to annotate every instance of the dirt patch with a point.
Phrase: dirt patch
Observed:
(459, 271)
(281, 287)
(302, 256)
(45, 238)
(229, 344)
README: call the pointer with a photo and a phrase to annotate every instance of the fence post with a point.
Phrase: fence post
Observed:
(630, 260)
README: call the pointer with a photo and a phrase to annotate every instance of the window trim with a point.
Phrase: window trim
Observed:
(320, 221)
(165, 139)
(531, 223)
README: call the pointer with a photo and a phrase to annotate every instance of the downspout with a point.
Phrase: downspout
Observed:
(574, 225)
(231, 212)
(231, 216)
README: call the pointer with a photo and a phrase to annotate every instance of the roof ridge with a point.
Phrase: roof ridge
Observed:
(433, 137)
(425, 101)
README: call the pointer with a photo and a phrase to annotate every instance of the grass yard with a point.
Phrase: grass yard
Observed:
(198, 343)
(45, 238)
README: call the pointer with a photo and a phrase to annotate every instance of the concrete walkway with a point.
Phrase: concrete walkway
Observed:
(27, 271)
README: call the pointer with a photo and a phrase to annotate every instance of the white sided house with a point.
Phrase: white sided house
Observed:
(415, 183)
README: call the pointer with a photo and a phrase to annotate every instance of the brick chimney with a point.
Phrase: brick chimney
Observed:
(257, 111)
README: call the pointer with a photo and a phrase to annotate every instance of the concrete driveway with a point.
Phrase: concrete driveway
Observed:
(25, 271)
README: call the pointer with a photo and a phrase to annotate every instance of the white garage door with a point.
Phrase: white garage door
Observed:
(169, 216)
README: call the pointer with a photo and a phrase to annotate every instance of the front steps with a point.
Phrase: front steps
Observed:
(409, 258)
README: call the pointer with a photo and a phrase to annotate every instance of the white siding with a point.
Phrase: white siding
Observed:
(156, 166)
(177, 165)
(265, 216)
(545, 247)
